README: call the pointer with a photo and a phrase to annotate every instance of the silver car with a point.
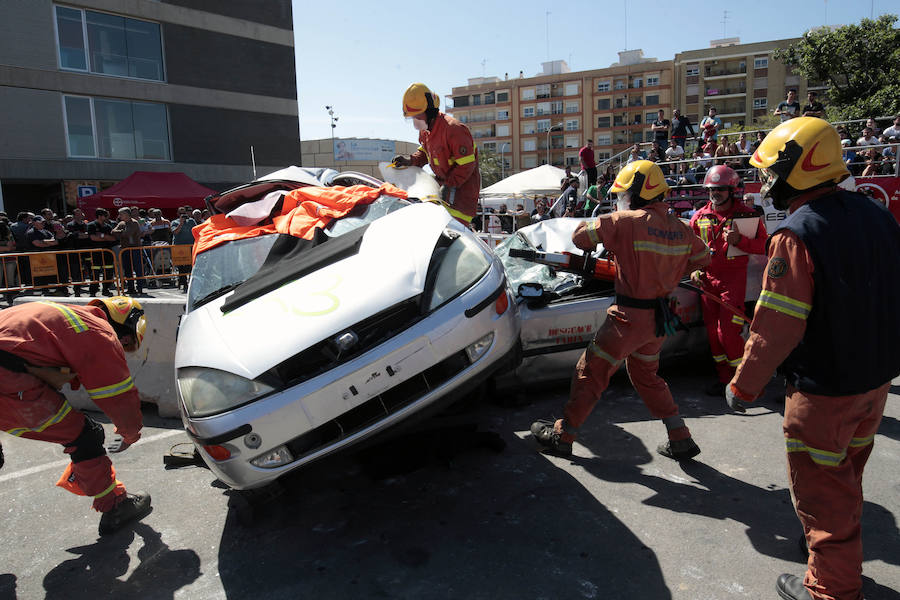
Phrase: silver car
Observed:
(396, 311)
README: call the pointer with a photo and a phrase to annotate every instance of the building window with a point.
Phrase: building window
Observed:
(572, 125)
(692, 70)
(572, 141)
(652, 80)
(604, 139)
(460, 101)
(572, 107)
(604, 86)
(761, 63)
(529, 145)
(543, 125)
(502, 130)
(543, 108)
(603, 122)
(760, 102)
(543, 90)
(571, 161)
(620, 84)
(603, 156)
(637, 82)
(489, 98)
(603, 104)
(116, 129)
(502, 115)
(102, 43)
(476, 100)
(528, 112)
(571, 89)
(502, 97)
(637, 137)
(652, 100)
(527, 93)
(489, 146)
(650, 117)
(529, 162)
(528, 127)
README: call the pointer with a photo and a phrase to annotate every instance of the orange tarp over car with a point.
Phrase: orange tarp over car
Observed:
(303, 210)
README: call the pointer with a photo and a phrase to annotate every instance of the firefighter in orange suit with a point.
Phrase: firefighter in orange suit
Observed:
(46, 344)
(726, 276)
(827, 314)
(653, 250)
(446, 145)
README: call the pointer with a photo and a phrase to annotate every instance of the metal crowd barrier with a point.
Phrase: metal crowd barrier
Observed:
(93, 269)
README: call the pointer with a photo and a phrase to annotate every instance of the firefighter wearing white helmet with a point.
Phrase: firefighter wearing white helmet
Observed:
(653, 250)
(446, 145)
(827, 319)
(44, 345)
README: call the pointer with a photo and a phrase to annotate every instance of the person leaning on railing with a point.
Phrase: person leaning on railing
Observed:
(40, 239)
(102, 265)
(129, 233)
(8, 272)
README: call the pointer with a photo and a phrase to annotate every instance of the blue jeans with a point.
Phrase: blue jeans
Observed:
(133, 260)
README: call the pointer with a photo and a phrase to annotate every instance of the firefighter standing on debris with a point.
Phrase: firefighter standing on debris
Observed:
(726, 276)
(653, 250)
(446, 145)
(44, 345)
(828, 315)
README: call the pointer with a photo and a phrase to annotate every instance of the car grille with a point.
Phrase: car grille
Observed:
(378, 408)
(324, 356)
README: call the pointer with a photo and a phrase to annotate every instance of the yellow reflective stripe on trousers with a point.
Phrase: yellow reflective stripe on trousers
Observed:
(459, 215)
(820, 457)
(657, 248)
(74, 320)
(59, 416)
(111, 390)
(860, 442)
(735, 362)
(719, 358)
(784, 305)
(592, 233)
(737, 320)
(599, 353)
(646, 357)
(107, 490)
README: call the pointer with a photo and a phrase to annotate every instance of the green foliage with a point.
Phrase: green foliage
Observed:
(489, 165)
(860, 64)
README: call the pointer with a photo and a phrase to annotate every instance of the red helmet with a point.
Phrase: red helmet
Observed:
(721, 176)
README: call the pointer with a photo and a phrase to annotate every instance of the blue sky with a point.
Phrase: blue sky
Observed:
(360, 56)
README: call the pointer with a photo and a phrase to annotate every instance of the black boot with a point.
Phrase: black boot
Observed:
(133, 508)
(546, 435)
(790, 587)
(679, 450)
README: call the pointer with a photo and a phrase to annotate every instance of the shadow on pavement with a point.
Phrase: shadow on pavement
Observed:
(7, 586)
(97, 570)
(471, 523)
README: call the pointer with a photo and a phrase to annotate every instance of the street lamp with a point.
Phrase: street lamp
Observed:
(333, 125)
(557, 127)
(506, 144)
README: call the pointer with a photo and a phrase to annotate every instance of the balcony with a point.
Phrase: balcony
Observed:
(726, 92)
(714, 72)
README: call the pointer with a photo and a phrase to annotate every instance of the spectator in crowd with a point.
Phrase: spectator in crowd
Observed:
(9, 267)
(540, 213)
(522, 218)
(849, 156)
(181, 233)
(760, 136)
(868, 137)
(675, 153)
(892, 133)
(506, 219)
(65, 242)
(19, 229)
(588, 161)
(660, 129)
(160, 227)
(77, 239)
(788, 109)
(813, 107)
(635, 154)
(722, 151)
(886, 150)
(103, 266)
(129, 232)
(566, 179)
(40, 239)
(871, 124)
(197, 216)
(710, 126)
(743, 144)
(205, 215)
(681, 125)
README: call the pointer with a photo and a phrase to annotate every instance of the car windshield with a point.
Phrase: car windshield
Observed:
(224, 267)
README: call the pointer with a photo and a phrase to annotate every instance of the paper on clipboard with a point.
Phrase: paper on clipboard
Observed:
(747, 227)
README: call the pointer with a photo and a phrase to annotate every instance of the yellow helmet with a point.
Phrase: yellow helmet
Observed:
(803, 152)
(643, 178)
(126, 316)
(417, 99)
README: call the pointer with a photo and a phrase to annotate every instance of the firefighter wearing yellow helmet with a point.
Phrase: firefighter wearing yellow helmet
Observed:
(44, 345)
(446, 145)
(653, 250)
(827, 319)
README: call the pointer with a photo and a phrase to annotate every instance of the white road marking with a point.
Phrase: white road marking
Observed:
(62, 463)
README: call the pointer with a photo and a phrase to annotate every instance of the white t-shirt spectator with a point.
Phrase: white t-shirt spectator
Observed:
(676, 153)
(892, 132)
(867, 141)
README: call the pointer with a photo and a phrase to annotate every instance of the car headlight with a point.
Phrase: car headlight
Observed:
(209, 391)
(462, 265)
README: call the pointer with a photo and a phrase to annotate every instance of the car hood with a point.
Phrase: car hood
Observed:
(390, 267)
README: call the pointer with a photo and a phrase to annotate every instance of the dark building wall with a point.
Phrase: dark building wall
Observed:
(220, 136)
(207, 59)
(276, 13)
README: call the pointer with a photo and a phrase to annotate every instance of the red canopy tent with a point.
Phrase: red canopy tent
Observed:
(148, 189)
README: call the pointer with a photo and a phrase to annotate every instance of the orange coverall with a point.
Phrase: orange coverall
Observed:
(653, 250)
(726, 277)
(828, 438)
(81, 338)
(449, 149)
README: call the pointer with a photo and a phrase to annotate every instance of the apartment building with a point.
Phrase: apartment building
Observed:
(742, 81)
(543, 119)
(93, 90)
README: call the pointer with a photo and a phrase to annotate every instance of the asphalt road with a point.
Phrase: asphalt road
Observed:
(441, 516)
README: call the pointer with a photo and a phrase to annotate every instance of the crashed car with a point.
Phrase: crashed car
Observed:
(561, 311)
(293, 349)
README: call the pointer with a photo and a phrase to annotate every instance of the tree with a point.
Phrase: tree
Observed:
(860, 64)
(489, 165)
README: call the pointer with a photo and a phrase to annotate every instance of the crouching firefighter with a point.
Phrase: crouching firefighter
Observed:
(653, 251)
(446, 145)
(44, 345)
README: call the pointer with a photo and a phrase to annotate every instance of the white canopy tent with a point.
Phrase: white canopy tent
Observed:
(521, 188)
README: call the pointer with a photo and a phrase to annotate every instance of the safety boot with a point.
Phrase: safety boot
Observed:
(133, 508)
(550, 440)
(679, 449)
(790, 587)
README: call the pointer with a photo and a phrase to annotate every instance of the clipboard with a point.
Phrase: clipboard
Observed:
(747, 227)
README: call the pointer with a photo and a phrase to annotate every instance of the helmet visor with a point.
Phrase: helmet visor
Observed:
(769, 180)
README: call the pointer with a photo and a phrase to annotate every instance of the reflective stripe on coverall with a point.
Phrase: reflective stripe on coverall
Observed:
(725, 277)
(828, 438)
(79, 337)
(449, 149)
(653, 250)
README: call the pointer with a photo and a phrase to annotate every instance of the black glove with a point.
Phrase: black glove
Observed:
(401, 161)
(117, 444)
(734, 403)
(448, 194)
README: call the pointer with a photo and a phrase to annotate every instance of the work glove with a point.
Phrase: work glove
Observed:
(734, 403)
(697, 277)
(448, 194)
(401, 161)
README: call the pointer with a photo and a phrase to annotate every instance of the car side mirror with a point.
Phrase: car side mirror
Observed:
(531, 290)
